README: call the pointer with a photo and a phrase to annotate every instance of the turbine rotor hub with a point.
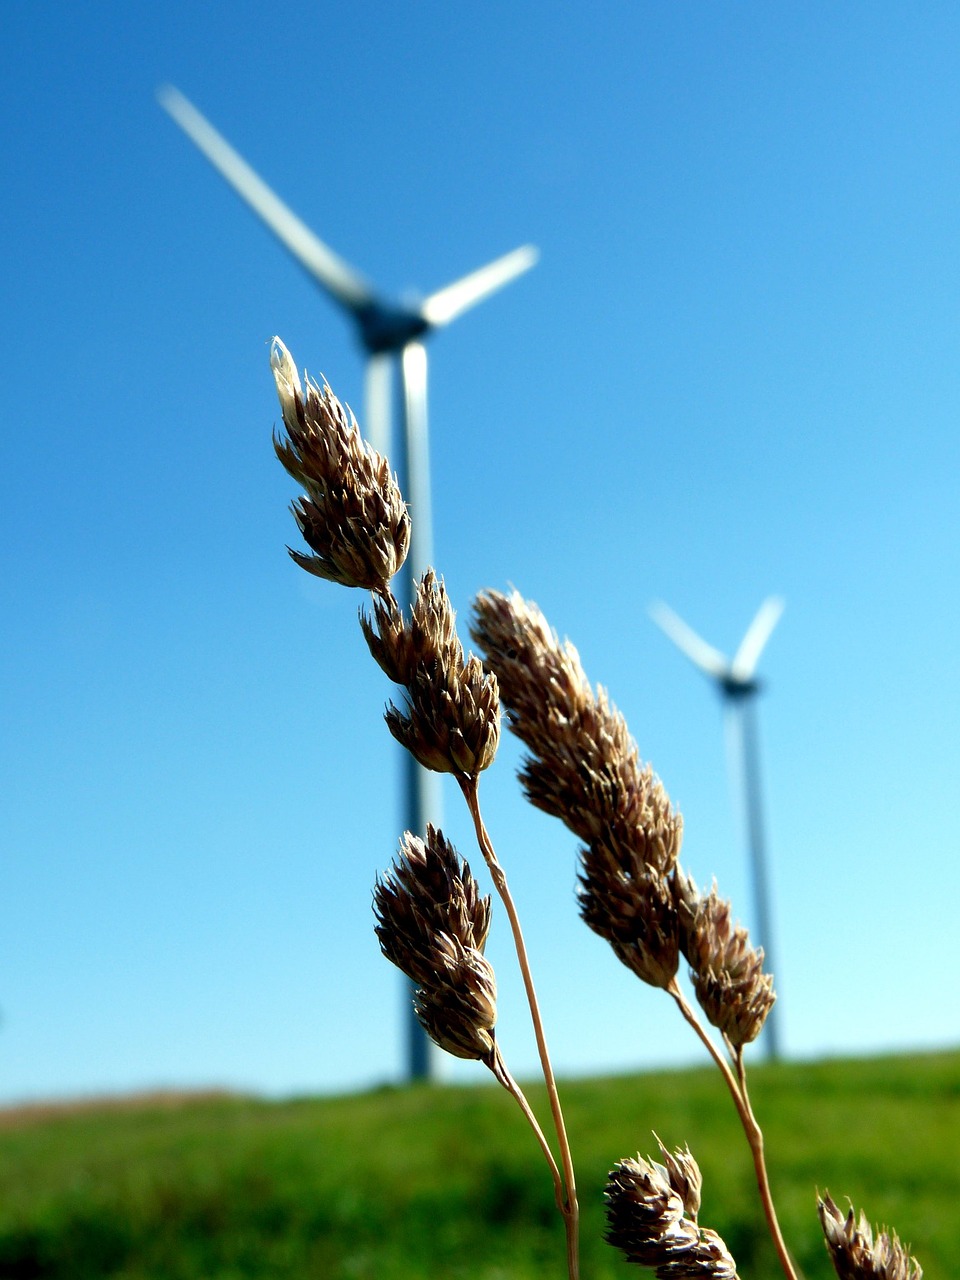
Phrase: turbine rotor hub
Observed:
(386, 328)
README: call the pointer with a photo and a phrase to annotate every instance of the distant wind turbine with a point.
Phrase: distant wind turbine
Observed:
(391, 333)
(739, 687)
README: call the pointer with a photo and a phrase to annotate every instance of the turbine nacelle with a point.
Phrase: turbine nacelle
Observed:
(385, 328)
(735, 688)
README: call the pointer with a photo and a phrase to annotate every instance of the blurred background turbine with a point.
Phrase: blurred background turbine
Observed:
(392, 334)
(738, 685)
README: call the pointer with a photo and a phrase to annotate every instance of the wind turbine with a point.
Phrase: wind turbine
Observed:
(392, 334)
(739, 686)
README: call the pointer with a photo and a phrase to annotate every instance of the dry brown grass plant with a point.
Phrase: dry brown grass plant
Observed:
(583, 767)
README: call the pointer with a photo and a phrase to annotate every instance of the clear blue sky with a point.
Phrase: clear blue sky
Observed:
(735, 371)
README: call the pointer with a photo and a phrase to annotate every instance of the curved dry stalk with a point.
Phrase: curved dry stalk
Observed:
(755, 1138)
(569, 1208)
(502, 1073)
(737, 1085)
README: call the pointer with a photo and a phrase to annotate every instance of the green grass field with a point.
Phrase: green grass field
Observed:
(444, 1182)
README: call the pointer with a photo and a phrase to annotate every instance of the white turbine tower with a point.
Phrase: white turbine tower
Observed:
(739, 686)
(391, 333)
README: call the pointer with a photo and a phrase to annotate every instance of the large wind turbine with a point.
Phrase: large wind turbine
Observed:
(392, 334)
(739, 686)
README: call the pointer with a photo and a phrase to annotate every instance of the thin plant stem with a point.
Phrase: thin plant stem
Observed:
(503, 1075)
(760, 1165)
(570, 1209)
(737, 1084)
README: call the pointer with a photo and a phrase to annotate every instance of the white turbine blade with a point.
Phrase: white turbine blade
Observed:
(449, 302)
(702, 655)
(758, 633)
(329, 270)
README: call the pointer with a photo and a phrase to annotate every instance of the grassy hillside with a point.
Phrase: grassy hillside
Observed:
(436, 1182)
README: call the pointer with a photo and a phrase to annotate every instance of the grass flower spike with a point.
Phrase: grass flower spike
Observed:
(650, 1222)
(683, 1173)
(433, 923)
(633, 907)
(856, 1254)
(451, 720)
(352, 514)
(583, 766)
(732, 989)
(459, 1009)
(429, 891)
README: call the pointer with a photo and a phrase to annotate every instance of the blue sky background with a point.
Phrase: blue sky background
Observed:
(735, 371)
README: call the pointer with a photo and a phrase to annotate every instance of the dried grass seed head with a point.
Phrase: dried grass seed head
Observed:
(727, 973)
(646, 1221)
(687, 898)
(634, 910)
(433, 625)
(528, 657)
(388, 638)
(459, 1012)
(708, 1257)
(684, 1176)
(428, 894)
(451, 720)
(425, 641)
(352, 514)
(432, 923)
(583, 767)
(643, 1211)
(854, 1251)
